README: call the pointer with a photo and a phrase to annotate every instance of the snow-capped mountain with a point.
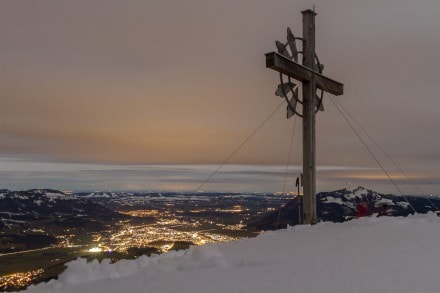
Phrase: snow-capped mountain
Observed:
(341, 205)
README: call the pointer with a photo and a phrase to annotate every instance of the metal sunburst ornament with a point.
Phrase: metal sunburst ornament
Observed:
(288, 89)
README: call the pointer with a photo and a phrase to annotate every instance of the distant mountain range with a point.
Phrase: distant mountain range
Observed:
(37, 207)
(19, 207)
(341, 205)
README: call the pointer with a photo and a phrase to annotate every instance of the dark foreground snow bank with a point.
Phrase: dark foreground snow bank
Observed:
(366, 255)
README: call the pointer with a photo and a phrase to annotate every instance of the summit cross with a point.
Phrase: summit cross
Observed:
(310, 74)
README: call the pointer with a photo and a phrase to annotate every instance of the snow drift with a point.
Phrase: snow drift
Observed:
(372, 254)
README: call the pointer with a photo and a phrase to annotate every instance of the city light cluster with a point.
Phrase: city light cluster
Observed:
(166, 230)
(140, 213)
(171, 229)
(19, 280)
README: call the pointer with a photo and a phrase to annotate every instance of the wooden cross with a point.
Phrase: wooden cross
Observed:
(311, 80)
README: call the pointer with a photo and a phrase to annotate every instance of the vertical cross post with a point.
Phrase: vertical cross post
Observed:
(309, 143)
(312, 78)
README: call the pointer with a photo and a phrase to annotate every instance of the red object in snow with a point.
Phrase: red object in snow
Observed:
(362, 209)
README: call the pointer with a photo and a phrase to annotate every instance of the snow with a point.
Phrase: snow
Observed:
(404, 204)
(38, 202)
(373, 254)
(358, 192)
(53, 196)
(11, 214)
(99, 194)
(384, 201)
(337, 200)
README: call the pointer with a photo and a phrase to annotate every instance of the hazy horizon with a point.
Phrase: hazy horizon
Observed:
(189, 178)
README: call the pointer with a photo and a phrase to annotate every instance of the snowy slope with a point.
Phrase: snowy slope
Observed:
(385, 254)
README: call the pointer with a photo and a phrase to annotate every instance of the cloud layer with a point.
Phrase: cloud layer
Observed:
(184, 82)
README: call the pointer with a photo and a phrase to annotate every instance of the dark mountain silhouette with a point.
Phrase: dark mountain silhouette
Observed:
(340, 206)
(19, 207)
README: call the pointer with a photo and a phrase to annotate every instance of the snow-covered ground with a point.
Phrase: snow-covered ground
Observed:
(365, 255)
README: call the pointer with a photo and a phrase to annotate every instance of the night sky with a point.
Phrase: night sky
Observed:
(156, 94)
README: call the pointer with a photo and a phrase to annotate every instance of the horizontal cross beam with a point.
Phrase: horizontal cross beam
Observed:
(290, 68)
